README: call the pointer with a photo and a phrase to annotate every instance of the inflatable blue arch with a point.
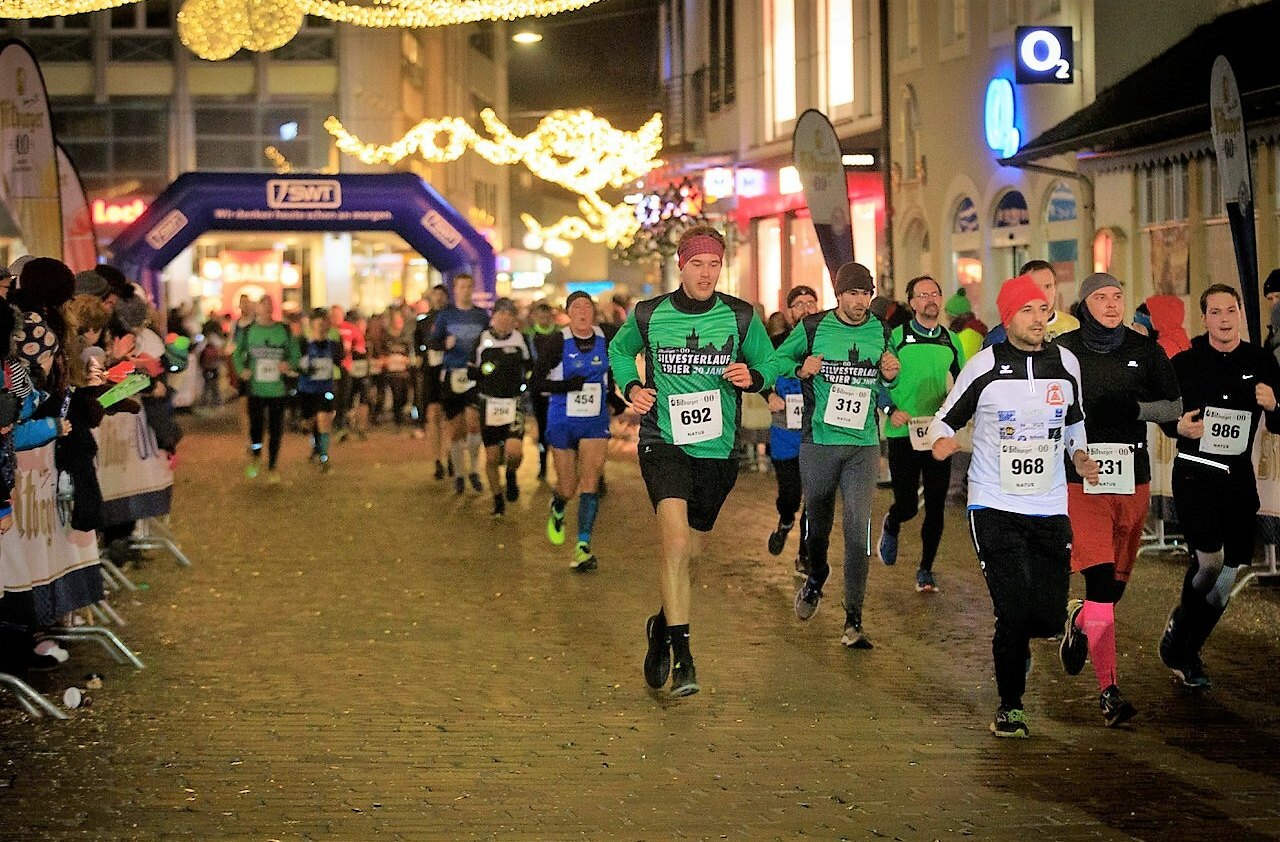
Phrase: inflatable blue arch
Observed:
(398, 202)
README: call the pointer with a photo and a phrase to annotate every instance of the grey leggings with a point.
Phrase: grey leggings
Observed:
(852, 470)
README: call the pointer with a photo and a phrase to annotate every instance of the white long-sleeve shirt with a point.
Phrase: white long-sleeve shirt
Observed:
(1013, 397)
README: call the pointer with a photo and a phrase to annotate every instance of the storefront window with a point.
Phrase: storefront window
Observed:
(966, 245)
(807, 265)
(768, 262)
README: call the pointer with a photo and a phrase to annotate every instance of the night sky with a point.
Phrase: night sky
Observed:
(603, 57)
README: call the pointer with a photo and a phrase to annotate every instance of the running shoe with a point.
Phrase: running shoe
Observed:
(1010, 723)
(778, 538)
(807, 599)
(854, 637)
(251, 470)
(439, 474)
(476, 485)
(888, 544)
(925, 582)
(325, 467)
(657, 660)
(1168, 643)
(583, 560)
(1192, 675)
(273, 476)
(513, 487)
(1116, 709)
(499, 506)
(459, 485)
(802, 567)
(555, 529)
(684, 678)
(1073, 651)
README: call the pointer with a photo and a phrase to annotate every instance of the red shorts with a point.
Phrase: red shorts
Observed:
(1106, 528)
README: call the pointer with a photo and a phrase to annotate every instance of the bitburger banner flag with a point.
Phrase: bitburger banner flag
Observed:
(79, 240)
(28, 164)
(815, 150)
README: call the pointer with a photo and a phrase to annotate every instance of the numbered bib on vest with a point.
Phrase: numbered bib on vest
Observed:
(695, 417)
(918, 432)
(435, 359)
(359, 368)
(1226, 431)
(459, 382)
(584, 403)
(795, 412)
(499, 412)
(847, 406)
(1115, 469)
(322, 369)
(1026, 467)
(266, 371)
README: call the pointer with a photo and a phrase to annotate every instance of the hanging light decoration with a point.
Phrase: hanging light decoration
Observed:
(575, 149)
(217, 29)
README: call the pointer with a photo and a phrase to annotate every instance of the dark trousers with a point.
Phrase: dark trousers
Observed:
(1027, 564)
(787, 472)
(908, 468)
(267, 412)
(399, 383)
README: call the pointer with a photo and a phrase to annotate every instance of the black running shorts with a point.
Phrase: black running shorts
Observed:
(1216, 510)
(705, 484)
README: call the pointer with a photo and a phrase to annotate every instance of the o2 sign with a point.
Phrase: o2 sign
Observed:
(998, 118)
(1045, 55)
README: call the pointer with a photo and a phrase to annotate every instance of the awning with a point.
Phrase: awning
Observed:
(1168, 98)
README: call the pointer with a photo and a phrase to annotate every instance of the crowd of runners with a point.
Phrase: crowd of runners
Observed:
(1052, 406)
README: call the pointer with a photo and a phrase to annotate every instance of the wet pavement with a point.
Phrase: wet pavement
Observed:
(363, 655)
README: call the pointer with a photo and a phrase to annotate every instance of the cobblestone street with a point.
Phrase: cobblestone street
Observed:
(363, 655)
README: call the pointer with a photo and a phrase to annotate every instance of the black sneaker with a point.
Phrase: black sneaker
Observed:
(1192, 675)
(1073, 651)
(459, 486)
(1169, 654)
(439, 474)
(684, 678)
(657, 660)
(807, 599)
(778, 538)
(475, 483)
(1010, 723)
(1116, 709)
(854, 637)
(513, 487)
(499, 506)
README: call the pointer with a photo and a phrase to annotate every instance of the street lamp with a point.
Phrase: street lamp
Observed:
(527, 34)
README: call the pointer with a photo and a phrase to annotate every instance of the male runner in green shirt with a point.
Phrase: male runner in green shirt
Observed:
(844, 360)
(702, 350)
(932, 357)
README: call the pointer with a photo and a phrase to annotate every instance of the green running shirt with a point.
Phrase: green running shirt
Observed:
(259, 351)
(927, 363)
(840, 402)
(685, 355)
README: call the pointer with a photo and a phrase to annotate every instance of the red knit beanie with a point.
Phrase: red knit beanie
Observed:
(1015, 294)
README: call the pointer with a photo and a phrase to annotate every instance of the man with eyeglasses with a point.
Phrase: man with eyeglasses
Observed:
(931, 357)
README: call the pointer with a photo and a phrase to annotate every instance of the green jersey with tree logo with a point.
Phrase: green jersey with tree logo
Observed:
(840, 401)
(687, 344)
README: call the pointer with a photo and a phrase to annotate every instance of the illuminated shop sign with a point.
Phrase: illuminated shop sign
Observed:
(1044, 55)
(116, 213)
(998, 118)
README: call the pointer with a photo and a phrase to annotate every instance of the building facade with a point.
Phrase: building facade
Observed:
(737, 75)
(135, 108)
(958, 110)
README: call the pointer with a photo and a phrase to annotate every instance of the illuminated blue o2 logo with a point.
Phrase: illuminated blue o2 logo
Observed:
(1002, 134)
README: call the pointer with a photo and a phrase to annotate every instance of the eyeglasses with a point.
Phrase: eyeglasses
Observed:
(927, 295)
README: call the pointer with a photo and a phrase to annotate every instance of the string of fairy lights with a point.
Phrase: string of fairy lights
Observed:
(577, 150)
(218, 29)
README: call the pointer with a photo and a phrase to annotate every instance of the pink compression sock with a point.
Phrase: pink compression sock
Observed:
(1098, 621)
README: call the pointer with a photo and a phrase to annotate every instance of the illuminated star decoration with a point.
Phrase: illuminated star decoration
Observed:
(577, 150)
(217, 29)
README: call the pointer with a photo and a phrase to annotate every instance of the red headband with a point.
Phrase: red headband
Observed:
(698, 244)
